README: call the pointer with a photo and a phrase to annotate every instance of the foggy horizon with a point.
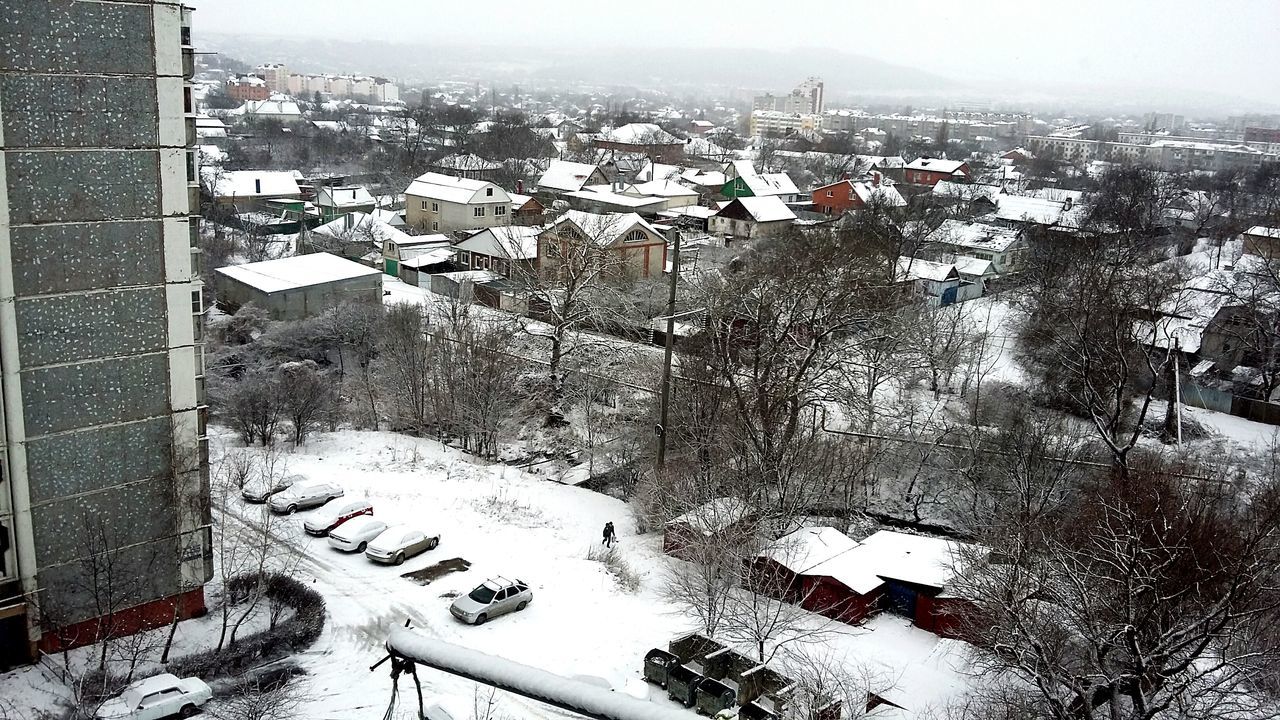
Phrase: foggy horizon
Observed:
(1190, 51)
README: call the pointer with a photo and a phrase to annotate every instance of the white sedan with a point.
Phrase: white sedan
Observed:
(160, 696)
(355, 534)
(398, 543)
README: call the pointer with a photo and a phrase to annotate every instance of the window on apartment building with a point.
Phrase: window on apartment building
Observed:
(499, 210)
(435, 207)
(435, 226)
(477, 212)
(197, 305)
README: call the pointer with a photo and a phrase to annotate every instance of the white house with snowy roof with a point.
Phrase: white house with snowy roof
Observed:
(444, 203)
(619, 240)
(562, 176)
(752, 217)
(1004, 247)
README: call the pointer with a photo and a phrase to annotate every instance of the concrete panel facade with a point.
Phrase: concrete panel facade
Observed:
(102, 455)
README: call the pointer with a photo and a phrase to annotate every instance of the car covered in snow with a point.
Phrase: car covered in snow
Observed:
(355, 534)
(398, 543)
(301, 496)
(259, 489)
(159, 696)
(494, 597)
(335, 514)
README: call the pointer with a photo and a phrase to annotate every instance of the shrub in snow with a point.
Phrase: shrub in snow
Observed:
(621, 570)
(291, 635)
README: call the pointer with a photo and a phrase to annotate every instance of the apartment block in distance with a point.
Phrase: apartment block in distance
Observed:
(104, 499)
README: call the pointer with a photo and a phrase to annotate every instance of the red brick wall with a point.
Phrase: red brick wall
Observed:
(147, 616)
(839, 202)
(242, 92)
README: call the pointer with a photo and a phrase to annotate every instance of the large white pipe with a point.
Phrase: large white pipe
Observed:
(533, 683)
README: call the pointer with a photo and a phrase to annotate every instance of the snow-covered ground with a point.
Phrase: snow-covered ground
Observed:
(506, 522)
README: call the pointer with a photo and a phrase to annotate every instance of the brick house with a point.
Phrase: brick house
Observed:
(930, 171)
(846, 195)
(247, 87)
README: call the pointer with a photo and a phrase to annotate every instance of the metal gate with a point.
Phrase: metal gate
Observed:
(900, 599)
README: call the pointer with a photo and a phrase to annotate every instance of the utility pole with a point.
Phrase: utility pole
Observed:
(665, 402)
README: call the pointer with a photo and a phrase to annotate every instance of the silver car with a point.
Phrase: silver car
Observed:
(497, 596)
(397, 543)
(259, 489)
(355, 534)
(301, 496)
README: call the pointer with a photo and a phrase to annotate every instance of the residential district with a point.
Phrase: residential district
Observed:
(334, 395)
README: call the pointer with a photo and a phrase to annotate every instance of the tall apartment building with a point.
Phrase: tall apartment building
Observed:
(276, 76)
(103, 460)
(805, 99)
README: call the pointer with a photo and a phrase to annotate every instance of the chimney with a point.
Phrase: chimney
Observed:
(875, 179)
(519, 187)
(844, 176)
(257, 186)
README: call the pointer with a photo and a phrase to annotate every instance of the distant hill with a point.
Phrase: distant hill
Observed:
(649, 67)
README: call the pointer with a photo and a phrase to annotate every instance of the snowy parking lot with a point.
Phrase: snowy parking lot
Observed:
(509, 523)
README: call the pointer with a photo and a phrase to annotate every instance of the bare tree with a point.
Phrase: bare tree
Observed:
(306, 397)
(1143, 598)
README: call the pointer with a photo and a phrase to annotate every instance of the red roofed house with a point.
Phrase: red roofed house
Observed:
(929, 171)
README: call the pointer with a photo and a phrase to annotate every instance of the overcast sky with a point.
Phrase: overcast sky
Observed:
(1196, 45)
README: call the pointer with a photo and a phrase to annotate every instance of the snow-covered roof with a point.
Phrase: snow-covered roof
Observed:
(918, 269)
(275, 106)
(965, 191)
(715, 515)
(915, 559)
(449, 188)
(515, 242)
(770, 184)
(807, 548)
(660, 188)
(658, 171)
(300, 271)
(604, 228)
(765, 209)
(975, 235)
(973, 267)
(937, 165)
(427, 257)
(1028, 209)
(605, 194)
(358, 225)
(864, 566)
(1262, 231)
(567, 176)
(697, 211)
(469, 162)
(344, 196)
(250, 183)
(639, 134)
(711, 179)
(518, 201)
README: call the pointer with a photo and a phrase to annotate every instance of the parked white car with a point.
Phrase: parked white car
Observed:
(159, 696)
(398, 543)
(355, 534)
(494, 597)
(335, 514)
(302, 496)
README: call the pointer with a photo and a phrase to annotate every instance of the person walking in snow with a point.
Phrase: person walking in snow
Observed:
(609, 535)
